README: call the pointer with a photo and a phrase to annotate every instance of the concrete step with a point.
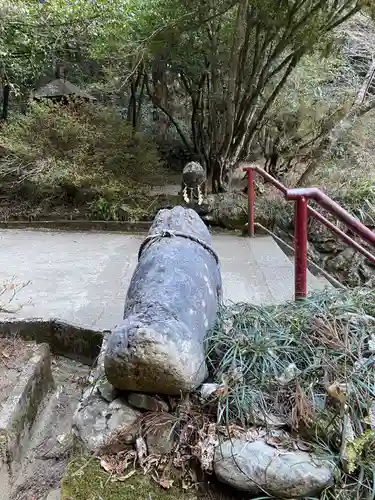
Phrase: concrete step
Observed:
(38, 471)
(257, 271)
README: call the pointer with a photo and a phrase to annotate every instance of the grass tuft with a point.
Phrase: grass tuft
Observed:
(307, 367)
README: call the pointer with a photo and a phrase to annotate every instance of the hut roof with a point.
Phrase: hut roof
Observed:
(60, 88)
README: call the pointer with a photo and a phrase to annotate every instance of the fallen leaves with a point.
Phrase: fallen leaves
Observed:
(141, 449)
(338, 391)
(278, 439)
(302, 412)
(155, 466)
(14, 351)
(106, 466)
(127, 476)
(217, 390)
(164, 482)
(204, 450)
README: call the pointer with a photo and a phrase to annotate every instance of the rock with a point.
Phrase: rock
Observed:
(97, 374)
(100, 414)
(95, 423)
(171, 303)
(147, 402)
(106, 390)
(98, 377)
(193, 179)
(227, 210)
(193, 175)
(161, 440)
(54, 495)
(208, 389)
(258, 468)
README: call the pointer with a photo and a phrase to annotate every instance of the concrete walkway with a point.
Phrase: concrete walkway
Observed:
(83, 277)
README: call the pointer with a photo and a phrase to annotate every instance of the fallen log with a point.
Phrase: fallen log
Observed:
(172, 302)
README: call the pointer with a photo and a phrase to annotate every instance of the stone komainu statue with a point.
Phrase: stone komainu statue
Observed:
(193, 178)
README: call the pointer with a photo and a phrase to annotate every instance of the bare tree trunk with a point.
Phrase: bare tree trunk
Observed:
(232, 93)
(140, 103)
(6, 92)
(216, 185)
(234, 70)
(160, 88)
(135, 102)
(132, 106)
(159, 105)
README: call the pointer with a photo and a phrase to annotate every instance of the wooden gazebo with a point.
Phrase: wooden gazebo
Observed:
(62, 91)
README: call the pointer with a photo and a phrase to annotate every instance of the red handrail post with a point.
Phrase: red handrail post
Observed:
(250, 201)
(300, 248)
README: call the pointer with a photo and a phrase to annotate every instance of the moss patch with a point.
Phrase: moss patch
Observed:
(86, 480)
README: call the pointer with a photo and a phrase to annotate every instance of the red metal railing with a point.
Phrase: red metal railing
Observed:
(301, 214)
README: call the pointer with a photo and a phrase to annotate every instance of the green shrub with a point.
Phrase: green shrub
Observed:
(55, 147)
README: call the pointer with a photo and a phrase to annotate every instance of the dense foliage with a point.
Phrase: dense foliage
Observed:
(224, 62)
(73, 155)
(227, 81)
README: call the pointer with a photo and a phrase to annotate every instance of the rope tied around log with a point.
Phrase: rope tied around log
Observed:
(171, 234)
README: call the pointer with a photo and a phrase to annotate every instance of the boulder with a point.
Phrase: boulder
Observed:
(193, 179)
(161, 440)
(193, 175)
(171, 303)
(228, 210)
(147, 402)
(96, 423)
(101, 414)
(257, 468)
(106, 390)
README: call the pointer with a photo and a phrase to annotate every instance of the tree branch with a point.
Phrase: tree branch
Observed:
(238, 39)
(165, 111)
(336, 131)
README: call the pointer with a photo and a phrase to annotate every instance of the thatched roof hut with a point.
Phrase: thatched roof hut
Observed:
(61, 90)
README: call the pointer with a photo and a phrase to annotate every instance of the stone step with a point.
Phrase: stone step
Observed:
(38, 470)
(20, 398)
(256, 270)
